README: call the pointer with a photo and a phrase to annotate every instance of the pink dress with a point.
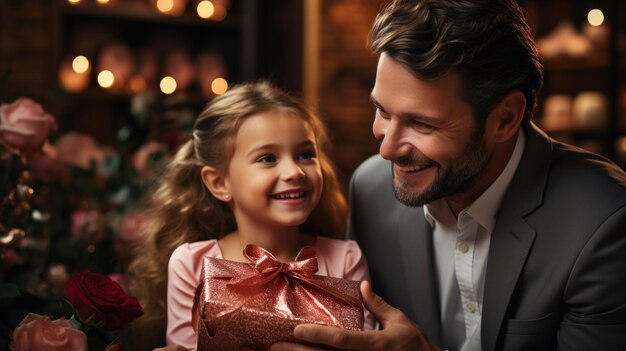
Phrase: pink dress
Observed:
(335, 258)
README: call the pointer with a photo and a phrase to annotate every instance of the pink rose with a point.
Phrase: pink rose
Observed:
(131, 227)
(80, 150)
(141, 158)
(88, 225)
(24, 125)
(39, 333)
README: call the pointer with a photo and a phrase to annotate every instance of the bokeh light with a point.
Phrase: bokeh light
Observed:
(219, 86)
(168, 85)
(165, 6)
(205, 9)
(80, 64)
(595, 17)
(106, 79)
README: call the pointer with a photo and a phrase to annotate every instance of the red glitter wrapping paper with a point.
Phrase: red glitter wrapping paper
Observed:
(256, 304)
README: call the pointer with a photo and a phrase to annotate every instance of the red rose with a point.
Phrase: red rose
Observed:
(101, 302)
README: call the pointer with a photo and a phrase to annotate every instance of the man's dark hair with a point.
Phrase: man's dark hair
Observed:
(488, 42)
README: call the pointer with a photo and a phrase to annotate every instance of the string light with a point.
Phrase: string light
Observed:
(80, 64)
(219, 86)
(595, 17)
(106, 79)
(73, 2)
(74, 74)
(205, 9)
(168, 85)
(165, 6)
(103, 2)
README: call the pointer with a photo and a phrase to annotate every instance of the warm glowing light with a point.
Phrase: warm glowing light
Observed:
(106, 79)
(70, 79)
(103, 2)
(220, 12)
(595, 17)
(137, 84)
(622, 145)
(219, 86)
(165, 6)
(80, 64)
(168, 85)
(205, 9)
(73, 1)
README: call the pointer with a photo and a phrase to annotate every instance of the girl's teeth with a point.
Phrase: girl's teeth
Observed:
(290, 195)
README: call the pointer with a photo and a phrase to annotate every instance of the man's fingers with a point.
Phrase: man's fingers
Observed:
(286, 346)
(376, 305)
(331, 336)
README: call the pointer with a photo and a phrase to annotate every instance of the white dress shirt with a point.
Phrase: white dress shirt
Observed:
(461, 248)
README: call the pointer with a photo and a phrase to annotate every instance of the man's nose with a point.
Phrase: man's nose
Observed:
(388, 133)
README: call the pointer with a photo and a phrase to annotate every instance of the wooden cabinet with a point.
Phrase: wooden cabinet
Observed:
(144, 45)
(583, 100)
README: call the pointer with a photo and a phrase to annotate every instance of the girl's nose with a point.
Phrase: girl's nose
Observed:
(292, 171)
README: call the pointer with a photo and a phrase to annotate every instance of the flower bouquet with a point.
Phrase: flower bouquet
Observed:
(102, 314)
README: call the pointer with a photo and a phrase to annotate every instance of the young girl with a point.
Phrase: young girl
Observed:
(255, 172)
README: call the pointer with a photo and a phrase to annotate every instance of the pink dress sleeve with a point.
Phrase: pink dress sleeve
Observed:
(183, 277)
(344, 259)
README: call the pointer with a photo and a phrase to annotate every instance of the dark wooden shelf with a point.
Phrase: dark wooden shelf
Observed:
(598, 61)
(144, 12)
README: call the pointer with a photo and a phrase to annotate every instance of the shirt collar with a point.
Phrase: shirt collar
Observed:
(484, 209)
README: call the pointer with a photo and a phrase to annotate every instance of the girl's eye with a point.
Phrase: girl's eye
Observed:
(307, 155)
(266, 159)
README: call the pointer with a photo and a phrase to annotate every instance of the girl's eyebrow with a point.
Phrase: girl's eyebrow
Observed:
(264, 147)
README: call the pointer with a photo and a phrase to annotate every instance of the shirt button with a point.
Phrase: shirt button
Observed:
(463, 247)
(470, 307)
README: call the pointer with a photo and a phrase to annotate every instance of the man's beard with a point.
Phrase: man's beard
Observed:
(458, 177)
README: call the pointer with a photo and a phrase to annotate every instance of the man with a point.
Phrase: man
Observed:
(485, 232)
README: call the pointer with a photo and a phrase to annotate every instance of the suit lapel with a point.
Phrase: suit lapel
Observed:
(417, 255)
(512, 237)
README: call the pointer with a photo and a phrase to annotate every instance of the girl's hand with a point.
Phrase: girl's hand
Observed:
(398, 333)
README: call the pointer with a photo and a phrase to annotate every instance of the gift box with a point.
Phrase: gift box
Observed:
(256, 304)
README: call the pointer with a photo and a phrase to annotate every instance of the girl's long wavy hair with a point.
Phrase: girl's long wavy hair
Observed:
(182, 210)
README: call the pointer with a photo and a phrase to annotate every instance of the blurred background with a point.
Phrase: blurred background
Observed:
(125, 79)
(98, 64)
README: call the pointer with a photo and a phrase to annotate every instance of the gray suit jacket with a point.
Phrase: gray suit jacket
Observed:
(556, 273)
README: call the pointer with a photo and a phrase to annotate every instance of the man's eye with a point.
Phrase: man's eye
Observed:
(266, 159)
(381, 113)
(419, 125)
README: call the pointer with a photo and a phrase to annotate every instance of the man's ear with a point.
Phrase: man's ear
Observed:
(506, 118)
(216, 182)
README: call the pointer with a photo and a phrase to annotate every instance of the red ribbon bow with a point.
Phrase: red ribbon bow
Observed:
(267, 268)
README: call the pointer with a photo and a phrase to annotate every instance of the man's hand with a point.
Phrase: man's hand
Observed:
(398, 333)
(171, 348)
